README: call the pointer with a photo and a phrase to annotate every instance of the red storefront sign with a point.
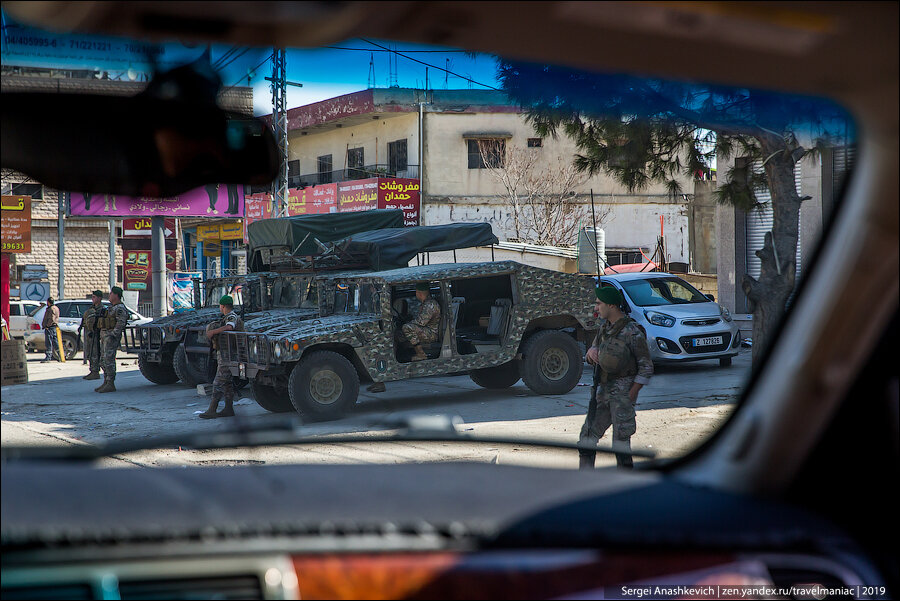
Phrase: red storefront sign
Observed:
(400, 193)
(141, 228)
(358, 195)
(313, 200)
(138, 268)
(257, 206)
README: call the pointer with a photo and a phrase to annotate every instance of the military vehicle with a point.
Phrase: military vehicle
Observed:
(175, 347)
(500, 322)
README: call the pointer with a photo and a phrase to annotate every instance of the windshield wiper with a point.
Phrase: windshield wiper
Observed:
(281, 431)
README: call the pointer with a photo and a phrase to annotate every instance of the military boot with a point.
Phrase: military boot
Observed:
(586, 459)
(227, 410)
(94, 375)
(624, 461)
(420, 353)
(109, 386)
(210, 412)
(102, 385)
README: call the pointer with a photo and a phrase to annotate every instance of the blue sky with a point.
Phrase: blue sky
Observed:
(324, 73)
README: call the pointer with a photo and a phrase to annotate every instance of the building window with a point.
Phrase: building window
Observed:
(293, 174)
(355, 163)
(535, 142)
(397, 160)
(486, 152)
(324, 169)
(35, 191)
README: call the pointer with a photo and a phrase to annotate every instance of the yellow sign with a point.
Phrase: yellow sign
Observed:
(231, 231)
(212, 249)
(207, 232)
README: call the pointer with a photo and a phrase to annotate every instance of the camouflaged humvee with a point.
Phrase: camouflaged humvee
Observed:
(500, 322)
(175, 347)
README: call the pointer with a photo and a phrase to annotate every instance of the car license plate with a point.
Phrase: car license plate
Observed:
(710, 341)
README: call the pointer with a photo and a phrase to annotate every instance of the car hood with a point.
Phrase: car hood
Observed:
(267, 320)
(188, 318)
(320, 325)
(687, 310)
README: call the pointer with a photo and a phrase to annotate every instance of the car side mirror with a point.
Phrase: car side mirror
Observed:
(710, 297)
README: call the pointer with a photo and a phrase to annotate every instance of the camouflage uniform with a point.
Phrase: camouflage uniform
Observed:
(613, 407)
(424, 328)
(223, 384)
(91, 324)
(111, 328)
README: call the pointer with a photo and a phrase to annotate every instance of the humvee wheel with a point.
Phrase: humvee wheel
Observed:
(551, 363)
(500, 376)
(158, 373)
(271, 398)
(187, 373)
(323, 386)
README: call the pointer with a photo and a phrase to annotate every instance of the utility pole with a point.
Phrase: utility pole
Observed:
(61, 244)
(280, 127)
(158, 260)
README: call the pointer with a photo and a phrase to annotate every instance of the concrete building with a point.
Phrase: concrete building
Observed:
(86, 241)
(377, 131)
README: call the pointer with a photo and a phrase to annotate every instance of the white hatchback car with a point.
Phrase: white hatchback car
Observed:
(681, 323)
(19, 311)
(70, 312)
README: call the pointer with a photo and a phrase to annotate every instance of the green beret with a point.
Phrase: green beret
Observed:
(117, 290)
(609, 295)
(97, 293)
(226, 300)
(423, 287)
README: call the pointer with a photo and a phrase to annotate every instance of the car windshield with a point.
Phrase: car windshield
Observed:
(652, 292)
(581, 175)
(354, 298)
(294, 292)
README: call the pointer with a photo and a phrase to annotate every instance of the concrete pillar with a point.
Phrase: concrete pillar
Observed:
(158, 260)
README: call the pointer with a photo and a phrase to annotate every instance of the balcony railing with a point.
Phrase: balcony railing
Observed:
(351, 173)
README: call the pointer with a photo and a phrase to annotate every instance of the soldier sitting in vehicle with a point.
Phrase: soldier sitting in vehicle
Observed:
(423, 328)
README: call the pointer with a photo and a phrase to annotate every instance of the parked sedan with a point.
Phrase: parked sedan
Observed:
(70, 312)
(681, 323)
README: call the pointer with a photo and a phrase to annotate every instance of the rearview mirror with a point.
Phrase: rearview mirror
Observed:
(710, 297)
(167, 140)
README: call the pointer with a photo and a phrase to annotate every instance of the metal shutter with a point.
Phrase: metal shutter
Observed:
(760, 221)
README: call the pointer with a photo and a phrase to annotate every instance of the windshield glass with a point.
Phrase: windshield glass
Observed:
(652, 292)
(294, 292)
(580, 174)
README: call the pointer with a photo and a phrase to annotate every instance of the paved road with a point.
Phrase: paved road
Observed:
(680, 407)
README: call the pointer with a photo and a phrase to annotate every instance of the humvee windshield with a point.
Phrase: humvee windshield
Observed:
(355, 298)
(216, 289)
(292, 292)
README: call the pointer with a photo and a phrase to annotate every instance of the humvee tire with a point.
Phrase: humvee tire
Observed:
(158, 373)
(500, 376)
(188, 375)
(323, 386)
(270, 398)
(551, 362)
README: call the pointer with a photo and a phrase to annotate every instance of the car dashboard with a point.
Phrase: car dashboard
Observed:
(401, 531)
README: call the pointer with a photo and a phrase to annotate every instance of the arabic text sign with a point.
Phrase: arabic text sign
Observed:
(401, 193)
(141, 228)
(358, 195)
(16, 224)
(213, 200)
(257, 206)
(314, 200)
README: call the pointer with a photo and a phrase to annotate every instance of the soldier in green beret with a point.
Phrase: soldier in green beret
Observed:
(424, 326)
(223, 386)
(111, 327)
(620, 352)
(90, 323)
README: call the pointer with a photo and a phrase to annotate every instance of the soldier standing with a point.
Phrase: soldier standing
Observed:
(90, 323)
(620, 351)
(223, 386)
(424, 327)
(111, 328)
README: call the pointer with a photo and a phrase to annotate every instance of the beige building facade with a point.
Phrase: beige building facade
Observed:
(358, 135)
